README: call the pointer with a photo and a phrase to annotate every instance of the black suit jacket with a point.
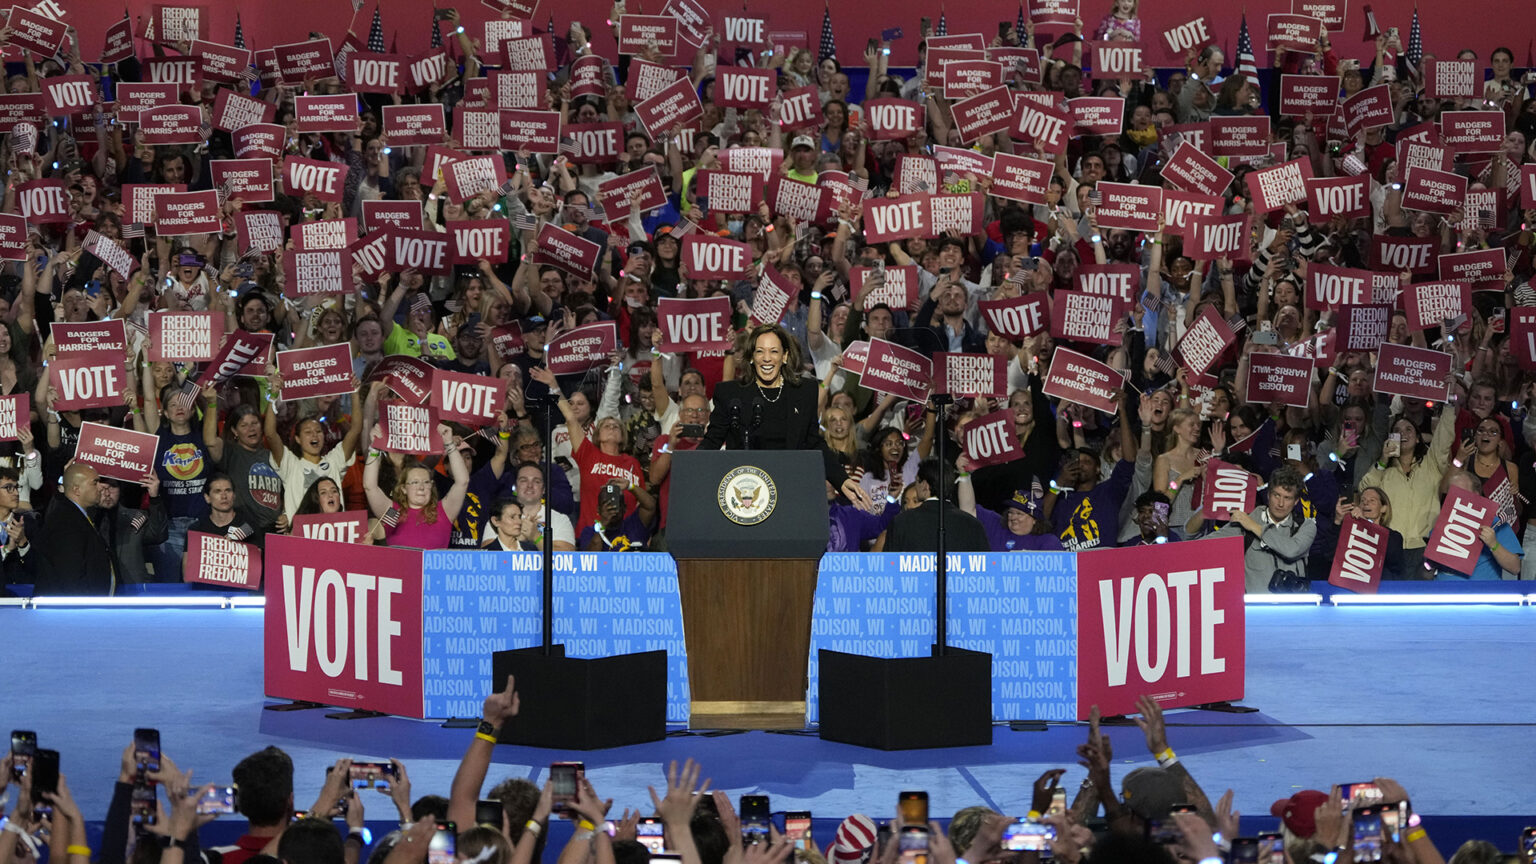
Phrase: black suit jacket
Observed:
(917, 530)
(804, 432)
(71, 557)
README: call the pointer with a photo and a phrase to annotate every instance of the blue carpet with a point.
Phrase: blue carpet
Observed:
(1435, 697)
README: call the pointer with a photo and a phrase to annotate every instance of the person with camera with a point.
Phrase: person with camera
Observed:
(685, 434)
(1276, 536)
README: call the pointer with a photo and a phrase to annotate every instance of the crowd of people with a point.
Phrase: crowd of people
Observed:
(235, 459)
(1157, 813)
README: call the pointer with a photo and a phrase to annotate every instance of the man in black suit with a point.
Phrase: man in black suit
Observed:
(128, 531)
(72, 557)
(916, 528)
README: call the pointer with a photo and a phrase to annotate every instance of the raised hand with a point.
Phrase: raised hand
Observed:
(501, 707)
(676, 807)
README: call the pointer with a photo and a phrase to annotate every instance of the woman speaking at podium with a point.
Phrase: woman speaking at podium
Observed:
(770, 407)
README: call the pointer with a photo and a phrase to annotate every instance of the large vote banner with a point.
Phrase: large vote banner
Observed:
(412, 633)
(605, 603)
(1020, 607)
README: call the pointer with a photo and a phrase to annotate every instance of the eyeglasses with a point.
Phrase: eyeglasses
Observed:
(9, 487)
(418, 483)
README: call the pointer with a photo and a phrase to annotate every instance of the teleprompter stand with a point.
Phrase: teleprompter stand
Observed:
(571, 703)
(909, 703)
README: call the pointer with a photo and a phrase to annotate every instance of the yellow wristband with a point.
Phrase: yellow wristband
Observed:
(1033, 815)
(534, 826)
(484, 737)
(1165, 755)
(584, 825)
(1416, 835)
(86, 850)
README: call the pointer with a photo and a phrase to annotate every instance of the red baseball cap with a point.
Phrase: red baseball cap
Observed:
(1299, 811)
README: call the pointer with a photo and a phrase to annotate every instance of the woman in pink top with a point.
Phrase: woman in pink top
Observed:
(420, 520)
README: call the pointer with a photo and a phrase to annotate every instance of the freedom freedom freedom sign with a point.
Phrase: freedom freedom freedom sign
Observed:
(1065, 630)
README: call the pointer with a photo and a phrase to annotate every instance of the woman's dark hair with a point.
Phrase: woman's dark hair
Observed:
(793, 361)
(639, 319)
(1231, 86)
(874, 462)
(1501, 50)
(237, 413)
(310, 503)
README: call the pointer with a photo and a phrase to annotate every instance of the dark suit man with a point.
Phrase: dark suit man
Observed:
(127, 530)
(71, 557)
(916, 528)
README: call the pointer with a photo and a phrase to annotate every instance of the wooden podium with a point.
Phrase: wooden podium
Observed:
(747, 590)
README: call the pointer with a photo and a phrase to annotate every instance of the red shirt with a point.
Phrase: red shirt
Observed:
(666, 482)
(597, 468)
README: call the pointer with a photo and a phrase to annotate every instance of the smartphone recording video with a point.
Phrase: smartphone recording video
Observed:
(23, 748)
(141, 805)
(444, 843)
(1245, 850)
(1367, 834)
(797, 828)
(913, 845)
(566, 778)
(755, 820)
(651, 834)
(1357, 795)
(219, 799)
(378, 775)
(146, 750)
(1025, 835)
(913, 806)
(1271, 848)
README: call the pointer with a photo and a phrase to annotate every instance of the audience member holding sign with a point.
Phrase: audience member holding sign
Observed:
(1322, 278)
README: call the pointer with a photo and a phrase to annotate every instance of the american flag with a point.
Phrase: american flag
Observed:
(239, 32)
(239, 532)
(437, 35)
(185, 396)
(1414, 53)
(357, 6)
(828, 46)
(1019, 25)
(859, 182)
(1237, 322)
(223, 191)
(554, 44)
(684, 228)
(1036, 491)
(1202, 456)
(420, 302)
(524, 222)
(137, 520)
(943, 28)
(1246, 65)
(133, 230)
(376, 33)
(1511, 256)
(205, 130)
(1164, 363)
(568, 145)
(505, 189)
(391, 518)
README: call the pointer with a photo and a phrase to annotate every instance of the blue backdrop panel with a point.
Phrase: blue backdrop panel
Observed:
(477, 603)
(1021, 607)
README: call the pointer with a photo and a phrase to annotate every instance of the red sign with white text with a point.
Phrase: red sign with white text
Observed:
(897, 370)
(583, 348)
(92, 380)
(706, 256)
(1227, 489)
(1016, 317)
(1457, 543)
(1301, 95)
(222, 562)
(1273, 188)
(121, 454)
(970, 374)
(1130, 206)
(1192, 170)
(702, 324)
(367, 654)
(473, 400)
(1431, 304)
(172, 124)
(1359, 556)
(184, 337)
(1183, 602)
(990, 440)
(1349, 197)
(1279, 378)
(1082, 380)
(325, 180)
(1240, 136)
(348, 526)
(1411, 372)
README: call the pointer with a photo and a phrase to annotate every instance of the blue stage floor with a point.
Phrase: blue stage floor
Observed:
(1437, 697)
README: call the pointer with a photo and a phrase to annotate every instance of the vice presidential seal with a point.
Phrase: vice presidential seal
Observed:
(747, 495)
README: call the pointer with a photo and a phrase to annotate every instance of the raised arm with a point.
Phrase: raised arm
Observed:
(498, 709)
(453, 501)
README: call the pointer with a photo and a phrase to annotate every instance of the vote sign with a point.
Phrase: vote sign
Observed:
(343, 625)
(692, 325)
(1165, 620)
(1457, 543)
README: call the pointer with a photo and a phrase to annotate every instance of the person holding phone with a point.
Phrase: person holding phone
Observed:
(1412, 463)
(1372, 505)
(685, 435)
(1152, 520)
